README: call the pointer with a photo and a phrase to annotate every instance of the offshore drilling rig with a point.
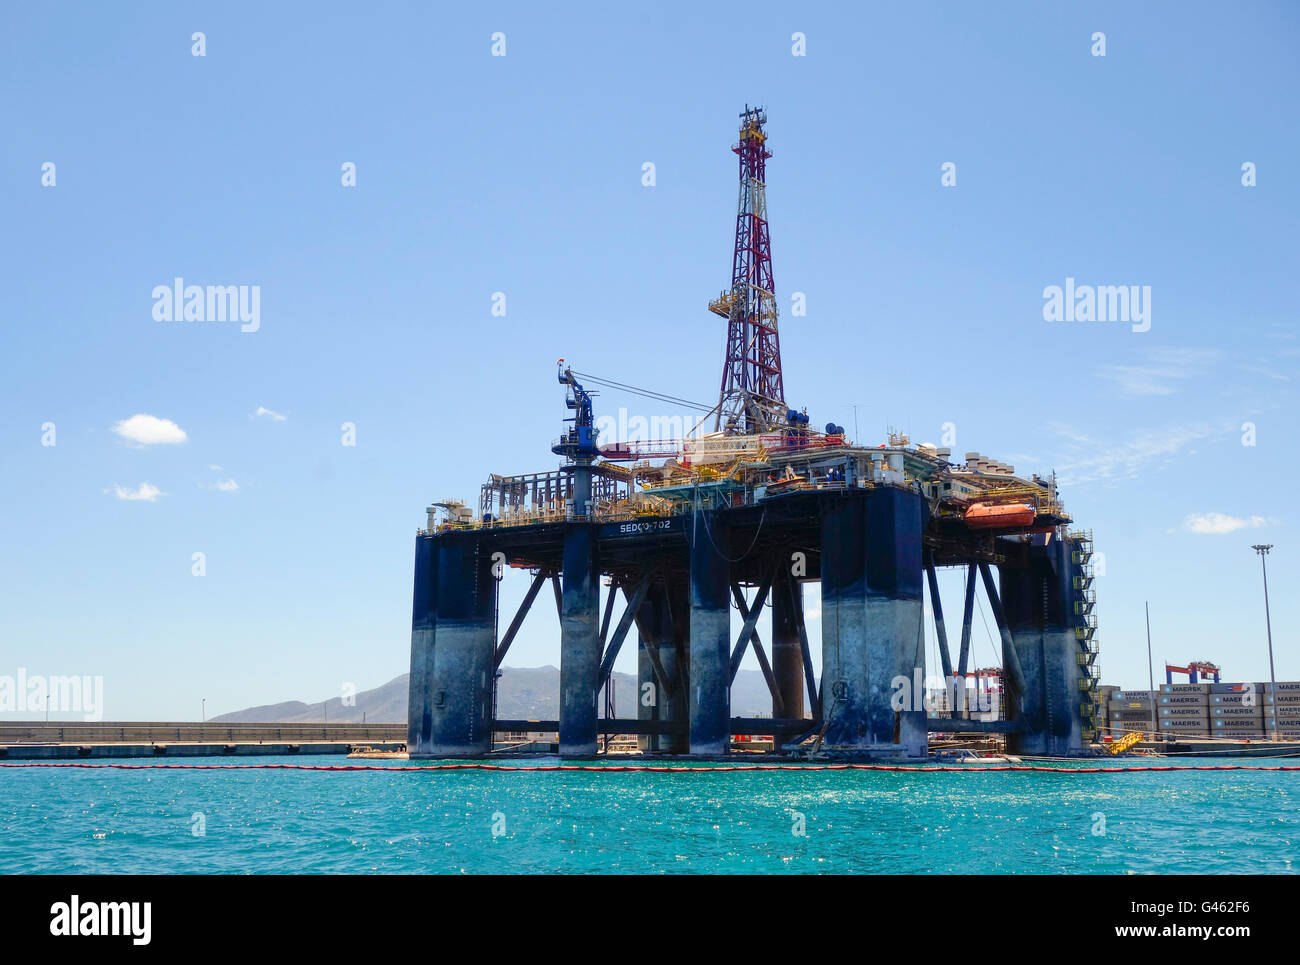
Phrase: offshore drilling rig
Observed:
(765, 502)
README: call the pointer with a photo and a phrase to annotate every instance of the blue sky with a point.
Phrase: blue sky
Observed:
(522, 174)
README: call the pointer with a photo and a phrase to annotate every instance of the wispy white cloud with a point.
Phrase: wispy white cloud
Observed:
(264, 413)
(1089, 460)
(147, 430)
(145, 492)
(1266, 371)
(1219, 523)
(1162, 371)
(226, 486)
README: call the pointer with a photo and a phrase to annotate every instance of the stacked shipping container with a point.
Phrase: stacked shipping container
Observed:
(1184, 710)
(1129, 710)
(1282, 708)
(1225, 710)
(1237, 710)
(1228, 710)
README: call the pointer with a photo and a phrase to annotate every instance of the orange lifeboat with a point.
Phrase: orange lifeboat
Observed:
(1004, 515)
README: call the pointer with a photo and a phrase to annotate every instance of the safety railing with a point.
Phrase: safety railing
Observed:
(149, 732)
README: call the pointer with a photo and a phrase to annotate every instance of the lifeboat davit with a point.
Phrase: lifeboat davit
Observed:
(998, 516)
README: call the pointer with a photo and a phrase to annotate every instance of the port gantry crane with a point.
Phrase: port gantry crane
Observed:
(1203, 668)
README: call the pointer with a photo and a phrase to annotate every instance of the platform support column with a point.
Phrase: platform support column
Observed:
(676, 659)
(710, 635)
(460, 688)
(419, 719)
(650, 641)
(844, 652)
(787, 657)
(1037, 600)
(579, 643)
(871, 621)
(968, 610)
(661, 691)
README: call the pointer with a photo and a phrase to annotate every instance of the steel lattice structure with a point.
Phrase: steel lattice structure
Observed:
(752, 397)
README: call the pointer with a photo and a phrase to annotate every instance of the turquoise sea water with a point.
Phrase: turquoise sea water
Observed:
(258, 821)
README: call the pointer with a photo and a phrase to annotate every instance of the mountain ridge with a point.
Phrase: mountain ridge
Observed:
(523, 693)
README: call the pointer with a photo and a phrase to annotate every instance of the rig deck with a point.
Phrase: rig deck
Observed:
(872, 545)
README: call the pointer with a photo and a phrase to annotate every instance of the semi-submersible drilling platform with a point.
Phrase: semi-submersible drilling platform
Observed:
(763, 502)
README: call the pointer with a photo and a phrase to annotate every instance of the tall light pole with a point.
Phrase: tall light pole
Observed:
(1262, 549)
(1151, 675)
(203, 711)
